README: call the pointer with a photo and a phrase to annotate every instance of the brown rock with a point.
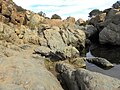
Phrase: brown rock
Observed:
(80, 22)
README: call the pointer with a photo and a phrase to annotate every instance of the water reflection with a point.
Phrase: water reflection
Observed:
(112, 54)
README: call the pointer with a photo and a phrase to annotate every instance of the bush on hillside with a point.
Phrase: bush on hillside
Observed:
(41, 13)
(55, 16)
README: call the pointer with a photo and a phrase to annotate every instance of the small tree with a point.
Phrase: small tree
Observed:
(94, 12)
(42, 14)
(55, 16)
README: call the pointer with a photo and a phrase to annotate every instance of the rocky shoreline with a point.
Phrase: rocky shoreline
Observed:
(38, 53)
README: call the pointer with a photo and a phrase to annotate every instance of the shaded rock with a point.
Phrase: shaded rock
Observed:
(94, 81)
(90, 31)
(101, 62)
(63, 66)
(97, 19)
(81, 79)
(108, 52)
(111, 13)
(110, 35)
(67, 75)
(116, 18)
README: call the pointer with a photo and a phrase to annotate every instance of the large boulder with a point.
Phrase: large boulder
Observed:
(82, 79)
(88, 80)
(101, 62)
(35, 20)
(110, 35)
(90, 31)
(21, 70)
(54, 39)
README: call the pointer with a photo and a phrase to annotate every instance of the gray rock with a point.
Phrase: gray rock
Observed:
(82, 79)
(68, 75)
(101, 62)
(44, 51)
(90, 30)
(88, 80)
(110, 35)
(54, 39)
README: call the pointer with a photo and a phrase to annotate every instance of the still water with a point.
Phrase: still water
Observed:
(111, 53)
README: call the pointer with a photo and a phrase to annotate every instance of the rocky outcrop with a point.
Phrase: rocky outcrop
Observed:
(110, 34)
(22, 70)
(81, 79)
(25, 74)
(107, 24)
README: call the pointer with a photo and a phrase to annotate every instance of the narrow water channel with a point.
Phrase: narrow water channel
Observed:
(111, 53)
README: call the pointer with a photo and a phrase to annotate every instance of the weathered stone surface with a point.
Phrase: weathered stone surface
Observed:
(101, 62)
(94, 81)
(70, 52)
(45, 51)
(97, 19)
(110, 35)
(35, 19)
(54, 39)
(81, 79)
(90, 30)
(20, 71)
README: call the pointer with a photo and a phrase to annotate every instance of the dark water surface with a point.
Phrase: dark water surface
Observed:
(111, 53)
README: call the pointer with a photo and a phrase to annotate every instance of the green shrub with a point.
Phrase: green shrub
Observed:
(55, 16)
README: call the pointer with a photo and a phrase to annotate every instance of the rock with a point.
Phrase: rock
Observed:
(70, 19)
(81, 79)
(116, 18)
(90, 31)
(62, 66)
(110, 35)
(35, 20)
(94, 81)
(78, 62)
(111, 13)
(6, 10)
(54, 39)
(80, 22)
(101, 62)
(70, 52)
(26, 73)
(109, 53)
(67, 75)
(97, 19)
(75, 38)
(44, 51)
